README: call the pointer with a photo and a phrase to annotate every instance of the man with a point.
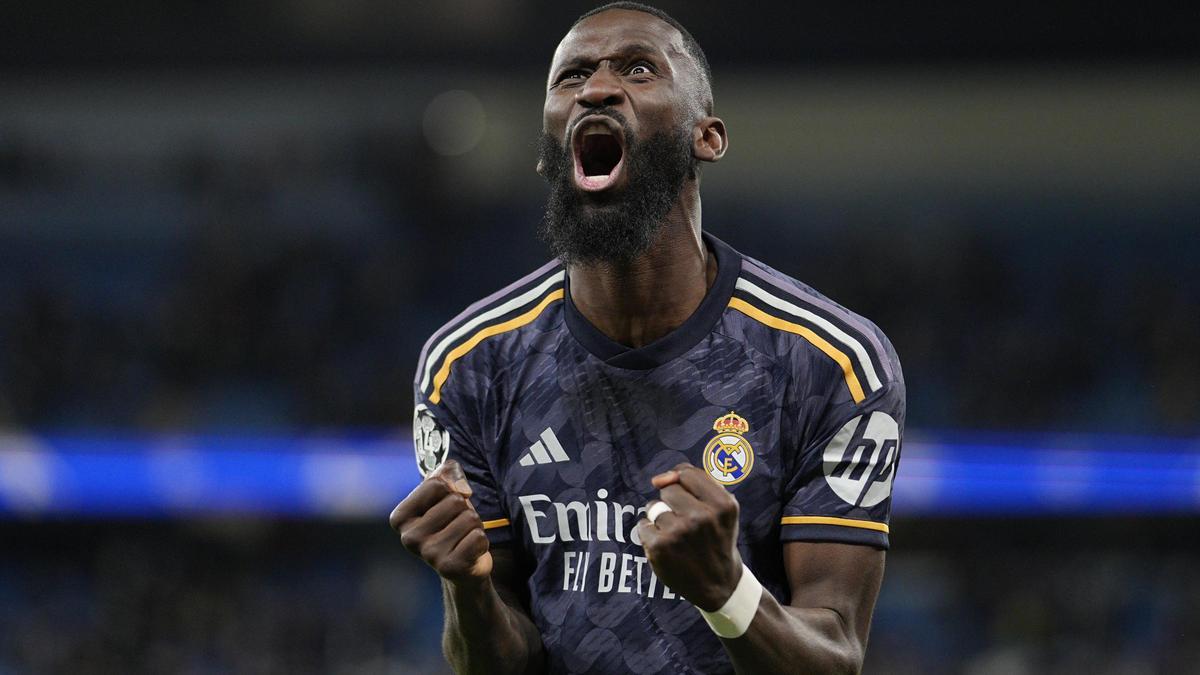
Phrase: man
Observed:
(652, 455)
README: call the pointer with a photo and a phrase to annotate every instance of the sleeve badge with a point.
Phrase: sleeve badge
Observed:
(431, 441)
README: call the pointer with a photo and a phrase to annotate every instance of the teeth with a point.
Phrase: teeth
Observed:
(596, 129)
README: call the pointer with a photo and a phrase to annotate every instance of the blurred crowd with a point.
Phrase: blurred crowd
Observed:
(209, 598)
(338, 598)
(199, 234)
(291, 285)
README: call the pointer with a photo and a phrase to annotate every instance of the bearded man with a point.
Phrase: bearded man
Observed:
(654, 454)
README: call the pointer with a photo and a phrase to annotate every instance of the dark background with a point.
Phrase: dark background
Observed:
(226, 219)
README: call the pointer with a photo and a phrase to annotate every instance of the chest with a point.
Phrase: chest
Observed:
(579, 444)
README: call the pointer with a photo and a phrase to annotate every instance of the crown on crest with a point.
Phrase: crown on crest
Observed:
(732, 423)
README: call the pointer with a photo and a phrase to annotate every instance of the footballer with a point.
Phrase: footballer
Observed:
(653, 454)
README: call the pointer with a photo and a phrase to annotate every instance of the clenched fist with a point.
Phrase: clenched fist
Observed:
(693, 547)
(437, 523)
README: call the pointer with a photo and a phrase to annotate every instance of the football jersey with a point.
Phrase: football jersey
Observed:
(790, 401)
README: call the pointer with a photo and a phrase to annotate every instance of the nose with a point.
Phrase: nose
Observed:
(602, 88)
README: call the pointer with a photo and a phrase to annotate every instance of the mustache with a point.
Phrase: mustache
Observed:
(602, 111)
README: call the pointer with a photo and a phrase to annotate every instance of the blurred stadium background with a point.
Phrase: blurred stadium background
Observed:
(226, 229)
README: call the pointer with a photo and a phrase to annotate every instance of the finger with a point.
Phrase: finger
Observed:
(452, 473)
(697, 482)
(472, 555)
(472, 545)
(649, 535)
(439, 544)
(664, 479)
(436, 518)
(420, 500)
(663, 519)
(681, 501)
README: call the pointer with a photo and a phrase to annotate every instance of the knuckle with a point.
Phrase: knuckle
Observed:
(463, 516)
(479, 541)
(472, 515)
(410, 541)
(704, 530)
(712, 522)
(437, 486)
(430, 554)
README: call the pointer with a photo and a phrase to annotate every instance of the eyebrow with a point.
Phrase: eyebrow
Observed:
(625, 52)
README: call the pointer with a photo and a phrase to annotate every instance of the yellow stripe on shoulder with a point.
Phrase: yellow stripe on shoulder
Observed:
(499, 522)
(485, 333)
(843, 522)
(840, 357)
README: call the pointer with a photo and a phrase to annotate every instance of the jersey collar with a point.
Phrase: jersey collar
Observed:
(678, 341)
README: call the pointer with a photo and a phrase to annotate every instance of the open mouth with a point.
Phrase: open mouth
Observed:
(599, 149)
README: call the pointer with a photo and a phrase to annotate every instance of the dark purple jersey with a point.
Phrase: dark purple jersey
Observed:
(792, 402)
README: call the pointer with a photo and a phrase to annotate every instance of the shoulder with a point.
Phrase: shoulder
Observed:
(848, 345)
(465, 342)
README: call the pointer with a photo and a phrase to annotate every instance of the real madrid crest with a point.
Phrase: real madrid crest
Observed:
(728, 457)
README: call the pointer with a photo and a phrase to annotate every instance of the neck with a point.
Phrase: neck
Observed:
(637, 303)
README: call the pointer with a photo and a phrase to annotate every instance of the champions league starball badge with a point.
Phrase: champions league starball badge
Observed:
(728, 457)
(430, 441)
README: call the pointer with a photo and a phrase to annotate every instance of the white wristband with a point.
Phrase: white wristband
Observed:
(733, 618)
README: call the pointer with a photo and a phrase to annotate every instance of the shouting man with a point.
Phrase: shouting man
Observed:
(653, 454)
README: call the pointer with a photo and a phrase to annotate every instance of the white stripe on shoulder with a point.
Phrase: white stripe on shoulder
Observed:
(499, 310)
(478, 306)
(860, 352)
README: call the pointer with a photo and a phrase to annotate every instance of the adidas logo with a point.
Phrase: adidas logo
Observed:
(545, 451)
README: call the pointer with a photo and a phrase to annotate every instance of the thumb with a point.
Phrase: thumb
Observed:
(452, 475)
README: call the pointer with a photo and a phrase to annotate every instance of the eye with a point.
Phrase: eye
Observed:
(642, 68)
(571, 75)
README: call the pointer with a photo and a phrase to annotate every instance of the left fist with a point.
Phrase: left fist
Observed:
(693, 547)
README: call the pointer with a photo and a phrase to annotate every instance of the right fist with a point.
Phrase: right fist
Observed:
(437, 523)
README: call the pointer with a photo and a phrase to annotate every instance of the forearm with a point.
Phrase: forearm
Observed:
(484, 634)
(788, 639)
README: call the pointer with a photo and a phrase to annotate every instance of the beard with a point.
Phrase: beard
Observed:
(613, 228)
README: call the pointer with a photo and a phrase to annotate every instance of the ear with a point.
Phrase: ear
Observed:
(709, 140)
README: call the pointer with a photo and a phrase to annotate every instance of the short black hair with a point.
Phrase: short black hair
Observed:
(689, 43)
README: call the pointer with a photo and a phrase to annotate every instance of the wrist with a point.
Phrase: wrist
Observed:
(732, 619)
(469, 591)
(473, 607)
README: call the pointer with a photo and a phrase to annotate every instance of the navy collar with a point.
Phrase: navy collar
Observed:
(678, 341)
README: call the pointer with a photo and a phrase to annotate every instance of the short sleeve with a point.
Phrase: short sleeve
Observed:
(441, 432)
(840, 490)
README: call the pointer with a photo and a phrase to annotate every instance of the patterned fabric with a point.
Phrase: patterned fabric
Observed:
(792, 402)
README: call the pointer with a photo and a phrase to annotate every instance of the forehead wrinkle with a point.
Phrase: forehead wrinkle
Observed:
(620, 53)
(630, 25)
(580, 46)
